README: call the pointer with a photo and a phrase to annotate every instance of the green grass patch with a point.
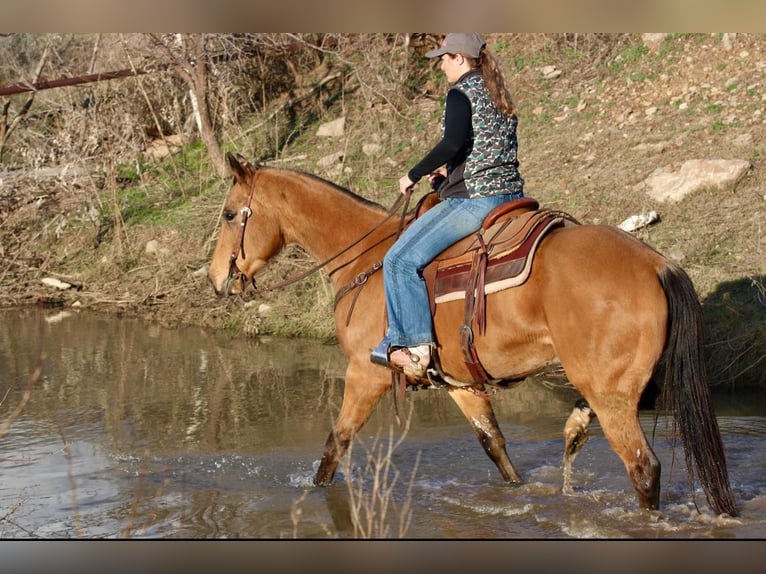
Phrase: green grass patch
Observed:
(714, 108)
(641, 76)
(536, 60)
(627, 57)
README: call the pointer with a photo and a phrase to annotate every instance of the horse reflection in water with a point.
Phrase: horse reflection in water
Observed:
(600, 302)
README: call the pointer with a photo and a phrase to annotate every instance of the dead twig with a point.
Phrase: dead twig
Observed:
(5, 129)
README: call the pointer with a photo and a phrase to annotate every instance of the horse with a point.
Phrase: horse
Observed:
(599, 302)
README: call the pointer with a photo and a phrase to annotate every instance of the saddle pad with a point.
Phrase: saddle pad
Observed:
(510, 248)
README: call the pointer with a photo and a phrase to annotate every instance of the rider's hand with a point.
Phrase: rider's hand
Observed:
(437, 177)
(406, 184)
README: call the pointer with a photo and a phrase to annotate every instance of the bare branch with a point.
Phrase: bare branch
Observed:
(6, 130)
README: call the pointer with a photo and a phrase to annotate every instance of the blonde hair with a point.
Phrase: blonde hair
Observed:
(493, 79)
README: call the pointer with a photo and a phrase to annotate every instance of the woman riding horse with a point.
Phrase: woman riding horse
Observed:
(478, 148)
(605, 306)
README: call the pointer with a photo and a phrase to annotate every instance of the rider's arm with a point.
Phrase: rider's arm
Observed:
(457, 129)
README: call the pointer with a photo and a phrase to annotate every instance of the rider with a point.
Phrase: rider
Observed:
(475, 167)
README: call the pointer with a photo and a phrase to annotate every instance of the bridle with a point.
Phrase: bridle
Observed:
(236, 274)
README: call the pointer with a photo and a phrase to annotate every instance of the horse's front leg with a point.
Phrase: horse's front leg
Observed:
(479, 412)
(364, 385)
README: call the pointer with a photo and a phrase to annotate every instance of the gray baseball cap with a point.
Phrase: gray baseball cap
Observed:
(466, 43)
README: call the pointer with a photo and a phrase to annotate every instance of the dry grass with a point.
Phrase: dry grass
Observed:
(378, 502)
(373, 489)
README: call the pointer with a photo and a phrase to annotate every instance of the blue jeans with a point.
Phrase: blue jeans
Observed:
(407, 305)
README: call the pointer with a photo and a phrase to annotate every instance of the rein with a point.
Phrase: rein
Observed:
(235, 273)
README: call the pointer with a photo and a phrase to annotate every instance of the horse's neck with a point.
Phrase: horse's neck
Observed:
(325, 220)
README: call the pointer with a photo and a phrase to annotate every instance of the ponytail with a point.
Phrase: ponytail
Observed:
(493, 79)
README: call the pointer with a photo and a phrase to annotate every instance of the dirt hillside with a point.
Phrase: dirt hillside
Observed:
(598, 115)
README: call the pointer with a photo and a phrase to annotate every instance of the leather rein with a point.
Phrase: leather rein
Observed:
(236, 274)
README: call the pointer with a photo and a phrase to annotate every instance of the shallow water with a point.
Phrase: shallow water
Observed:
(142, 432)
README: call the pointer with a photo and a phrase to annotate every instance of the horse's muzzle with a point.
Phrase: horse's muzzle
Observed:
(234, 284)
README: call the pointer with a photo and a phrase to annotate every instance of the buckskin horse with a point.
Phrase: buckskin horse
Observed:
(602, 304)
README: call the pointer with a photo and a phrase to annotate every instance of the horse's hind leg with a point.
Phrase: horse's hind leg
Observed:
(478, 410)
(362, 391)
(622, 429)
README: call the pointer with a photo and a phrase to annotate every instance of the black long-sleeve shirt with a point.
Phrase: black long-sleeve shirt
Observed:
(452, 149)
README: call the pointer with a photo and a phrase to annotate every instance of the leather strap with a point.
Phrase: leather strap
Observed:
(475, 314)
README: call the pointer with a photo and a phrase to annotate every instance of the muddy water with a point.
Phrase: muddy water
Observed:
(136, 431)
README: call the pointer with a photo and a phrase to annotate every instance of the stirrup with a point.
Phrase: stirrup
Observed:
(379, 354)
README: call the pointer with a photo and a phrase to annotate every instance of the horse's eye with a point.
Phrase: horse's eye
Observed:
(229, 215)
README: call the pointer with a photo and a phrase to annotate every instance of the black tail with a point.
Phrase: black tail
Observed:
(686, 391)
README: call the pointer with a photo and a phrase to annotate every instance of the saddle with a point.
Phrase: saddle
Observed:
(506, 244)
(496, 257)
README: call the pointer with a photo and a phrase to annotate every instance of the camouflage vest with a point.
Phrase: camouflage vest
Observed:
(492, 165)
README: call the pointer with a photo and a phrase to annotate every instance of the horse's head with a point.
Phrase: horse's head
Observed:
(250, 234)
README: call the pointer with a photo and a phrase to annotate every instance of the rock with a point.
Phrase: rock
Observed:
(655, 147)
(371, 149)
(162, 148)
(153, 248)
(653, 41)
(330, 160)
(664, 184)
(332, 129)
(53, 282)
(550, 72)
(635, 222)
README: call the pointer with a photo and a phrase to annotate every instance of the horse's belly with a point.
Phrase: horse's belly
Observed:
(516, 343)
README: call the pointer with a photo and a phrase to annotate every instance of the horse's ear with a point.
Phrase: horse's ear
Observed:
(237, 167)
